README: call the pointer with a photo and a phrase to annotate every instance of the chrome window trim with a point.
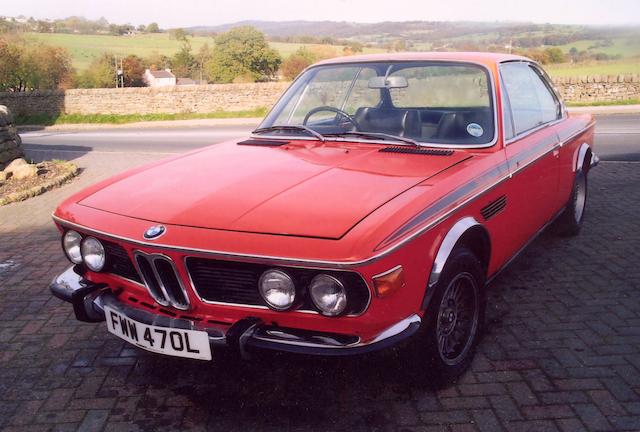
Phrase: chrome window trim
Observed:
(310, 263)
(484, 67)
(503, 89)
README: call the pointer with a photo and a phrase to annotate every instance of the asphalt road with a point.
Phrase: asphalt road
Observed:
(617, 138)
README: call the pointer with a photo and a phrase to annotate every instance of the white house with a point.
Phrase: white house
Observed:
(159, 78)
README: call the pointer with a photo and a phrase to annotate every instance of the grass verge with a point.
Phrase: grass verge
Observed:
(46, 120)
(605, 103)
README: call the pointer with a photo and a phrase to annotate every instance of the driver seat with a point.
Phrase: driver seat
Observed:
(391, 121)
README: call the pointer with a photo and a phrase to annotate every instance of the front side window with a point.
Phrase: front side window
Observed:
(532, 103)
(429, 102)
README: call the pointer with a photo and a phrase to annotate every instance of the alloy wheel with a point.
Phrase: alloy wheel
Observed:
(457, 320)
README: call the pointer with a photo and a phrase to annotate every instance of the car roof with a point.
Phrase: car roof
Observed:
(474, 57)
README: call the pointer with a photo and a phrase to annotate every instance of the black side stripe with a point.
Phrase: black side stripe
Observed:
(490, 176)
(485, 181)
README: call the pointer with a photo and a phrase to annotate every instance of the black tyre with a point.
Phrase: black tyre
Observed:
(454, 319)
(570, 221)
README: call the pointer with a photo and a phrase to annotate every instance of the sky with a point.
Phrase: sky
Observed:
(185, 13)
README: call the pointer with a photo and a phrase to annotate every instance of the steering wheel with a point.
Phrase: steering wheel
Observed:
(338, 111)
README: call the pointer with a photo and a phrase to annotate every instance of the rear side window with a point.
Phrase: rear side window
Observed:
(532, 103)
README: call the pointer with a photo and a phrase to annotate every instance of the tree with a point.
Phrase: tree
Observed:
(157, 61)
(353, 48)
(133, 71)
(202, 58)
(296, 63)
(573, 53)
(100, 74)
(32, 66)
(179, 34)
(243, 54)
(555, 55)
(183, 61)
(398, 45)
(153, 28)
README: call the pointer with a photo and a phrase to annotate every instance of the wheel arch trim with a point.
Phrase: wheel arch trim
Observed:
(455, 233)
(583, 151)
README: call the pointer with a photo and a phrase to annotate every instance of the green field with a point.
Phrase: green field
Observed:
(621, 47)
(625, 66)
(85, 48)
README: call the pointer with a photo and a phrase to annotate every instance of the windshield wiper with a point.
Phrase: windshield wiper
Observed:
(289, 127)
(378, 135)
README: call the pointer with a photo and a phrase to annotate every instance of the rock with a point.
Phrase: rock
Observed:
(15, 164)
(4, 176)
(5, 116)
(24, 171)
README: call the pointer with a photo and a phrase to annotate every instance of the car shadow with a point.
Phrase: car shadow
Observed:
(39, 153)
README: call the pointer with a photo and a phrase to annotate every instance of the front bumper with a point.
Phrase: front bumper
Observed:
(89, 300)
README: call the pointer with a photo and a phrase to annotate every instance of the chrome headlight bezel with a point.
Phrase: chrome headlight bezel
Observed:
(318, 297)
(71, 242)
(289, 293)
(96, 257)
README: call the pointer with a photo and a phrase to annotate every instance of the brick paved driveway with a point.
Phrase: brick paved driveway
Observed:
(562, 350)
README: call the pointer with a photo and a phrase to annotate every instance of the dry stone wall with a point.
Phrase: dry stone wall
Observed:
(238, 97)
(10, 143)
(598, 88)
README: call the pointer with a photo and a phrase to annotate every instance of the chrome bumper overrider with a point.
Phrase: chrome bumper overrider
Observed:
(89, 299)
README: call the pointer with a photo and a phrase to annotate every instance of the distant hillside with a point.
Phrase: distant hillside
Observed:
(344, 29)
(439, 35)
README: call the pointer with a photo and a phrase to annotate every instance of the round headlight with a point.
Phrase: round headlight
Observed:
(277, 289)
(328, 294)
(71, 245)
(93, 254)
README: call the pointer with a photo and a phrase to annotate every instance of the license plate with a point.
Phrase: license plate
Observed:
(164, 340)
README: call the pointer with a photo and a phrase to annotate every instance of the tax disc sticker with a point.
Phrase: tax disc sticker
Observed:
(474, 129)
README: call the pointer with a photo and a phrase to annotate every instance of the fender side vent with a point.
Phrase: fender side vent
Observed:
(416, 150)
(494, 207)
(263, 142)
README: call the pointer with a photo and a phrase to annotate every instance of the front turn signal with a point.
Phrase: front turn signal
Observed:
(388, 282)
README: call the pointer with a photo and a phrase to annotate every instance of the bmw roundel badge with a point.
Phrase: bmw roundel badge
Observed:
(154, 232)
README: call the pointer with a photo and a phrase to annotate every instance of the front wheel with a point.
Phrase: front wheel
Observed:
(454, 318)
(570, 221)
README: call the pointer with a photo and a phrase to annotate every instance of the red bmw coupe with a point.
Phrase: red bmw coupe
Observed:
(374, 204)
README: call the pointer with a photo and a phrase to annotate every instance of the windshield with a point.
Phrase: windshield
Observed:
(428, 102)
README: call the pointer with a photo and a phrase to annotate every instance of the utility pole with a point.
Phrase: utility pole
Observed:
(119, 72)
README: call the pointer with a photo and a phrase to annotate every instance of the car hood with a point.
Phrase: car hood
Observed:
(298, 189)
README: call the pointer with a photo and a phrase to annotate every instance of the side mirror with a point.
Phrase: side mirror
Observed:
(381, 82)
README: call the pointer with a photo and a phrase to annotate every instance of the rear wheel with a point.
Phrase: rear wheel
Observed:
(454, 318)
(570, 220)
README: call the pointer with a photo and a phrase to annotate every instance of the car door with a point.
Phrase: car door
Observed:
(531, 147)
